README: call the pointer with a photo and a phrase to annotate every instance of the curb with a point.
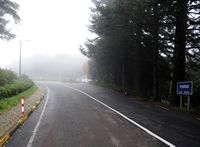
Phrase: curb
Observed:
(4, 139)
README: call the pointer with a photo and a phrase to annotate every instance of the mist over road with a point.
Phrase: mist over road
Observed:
(84, 115)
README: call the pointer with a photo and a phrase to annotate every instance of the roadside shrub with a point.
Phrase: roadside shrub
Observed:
(15, 88)
(7, 76)
(9, 92)
(3, 93)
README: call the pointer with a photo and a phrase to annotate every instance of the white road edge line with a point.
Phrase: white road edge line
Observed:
(39, 121)
(127, 118)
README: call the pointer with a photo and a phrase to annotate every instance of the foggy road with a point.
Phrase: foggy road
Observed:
(89, 116)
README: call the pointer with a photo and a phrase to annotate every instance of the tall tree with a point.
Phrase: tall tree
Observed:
(180, 46)
(156, 51)
(140, 41)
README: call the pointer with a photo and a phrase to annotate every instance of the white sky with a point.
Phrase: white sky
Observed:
(52, 26)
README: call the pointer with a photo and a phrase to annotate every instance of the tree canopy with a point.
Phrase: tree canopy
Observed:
(7, 9)
(144, 46)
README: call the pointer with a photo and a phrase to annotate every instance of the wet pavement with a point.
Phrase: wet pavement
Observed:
(72, 118)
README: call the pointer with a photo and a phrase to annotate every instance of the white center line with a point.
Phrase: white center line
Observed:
(127, 118)
(39, 121)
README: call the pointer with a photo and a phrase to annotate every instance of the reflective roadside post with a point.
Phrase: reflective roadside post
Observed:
(22, 106)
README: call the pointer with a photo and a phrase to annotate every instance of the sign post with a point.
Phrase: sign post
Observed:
(181, 101)
(185, 88)
(188, 106)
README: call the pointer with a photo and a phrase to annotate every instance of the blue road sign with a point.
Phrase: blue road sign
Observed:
(185, 88)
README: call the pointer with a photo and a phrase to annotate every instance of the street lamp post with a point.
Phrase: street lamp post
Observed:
(20, 57)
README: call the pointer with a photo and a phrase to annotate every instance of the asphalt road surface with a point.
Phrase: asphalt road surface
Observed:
(82, 115)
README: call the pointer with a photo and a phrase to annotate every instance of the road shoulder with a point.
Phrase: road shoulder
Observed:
(12, 119)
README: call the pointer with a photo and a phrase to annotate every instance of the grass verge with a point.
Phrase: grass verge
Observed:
(8, 103)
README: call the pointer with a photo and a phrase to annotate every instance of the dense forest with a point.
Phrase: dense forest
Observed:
(145, 47)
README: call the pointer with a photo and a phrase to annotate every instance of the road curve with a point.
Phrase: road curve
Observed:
(68, 117)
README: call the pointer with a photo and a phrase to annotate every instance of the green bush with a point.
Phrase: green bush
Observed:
(15, 88)
(3, 92)
(7, 76)
(9, 90)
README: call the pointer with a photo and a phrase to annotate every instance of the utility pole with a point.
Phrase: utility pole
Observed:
(20, 58)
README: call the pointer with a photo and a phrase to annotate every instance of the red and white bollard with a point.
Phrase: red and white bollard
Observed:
(22, 105)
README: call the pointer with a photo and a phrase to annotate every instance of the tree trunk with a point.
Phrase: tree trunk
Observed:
(156, 53)
(180, 48)
(137, 82)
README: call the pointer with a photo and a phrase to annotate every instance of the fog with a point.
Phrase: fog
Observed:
(47, 30)
(50, 34)
(59, 67)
